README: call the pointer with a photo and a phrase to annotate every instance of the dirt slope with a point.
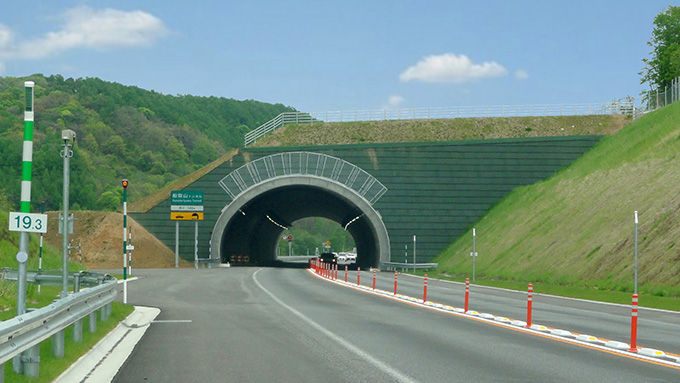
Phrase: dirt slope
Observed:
(101, 239)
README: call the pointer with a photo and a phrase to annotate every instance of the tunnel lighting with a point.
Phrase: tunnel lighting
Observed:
(276, 223)
(242, 212)
(354, 219)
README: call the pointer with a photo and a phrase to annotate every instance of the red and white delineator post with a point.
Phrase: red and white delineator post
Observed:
(530, 298)
(633, 325)
(373, 279)
(467, 293)
(425, 289)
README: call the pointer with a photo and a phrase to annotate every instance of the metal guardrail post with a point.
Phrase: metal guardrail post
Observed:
(58, 344)
(31, 361)
(77, 325)
(92, 321)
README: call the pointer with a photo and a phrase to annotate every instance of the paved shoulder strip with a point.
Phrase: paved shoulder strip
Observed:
(101, 364)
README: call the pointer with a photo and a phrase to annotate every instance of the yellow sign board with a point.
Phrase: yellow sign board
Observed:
(186, 216)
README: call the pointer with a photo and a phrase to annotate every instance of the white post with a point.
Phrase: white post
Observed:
(414, 254)
(474, 253)
(196, 244)
(176, 243)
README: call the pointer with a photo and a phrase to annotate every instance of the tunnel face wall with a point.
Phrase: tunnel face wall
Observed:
(251, 224)
(435, 190)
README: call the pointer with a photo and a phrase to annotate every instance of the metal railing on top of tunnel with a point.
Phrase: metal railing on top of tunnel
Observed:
(303, 163)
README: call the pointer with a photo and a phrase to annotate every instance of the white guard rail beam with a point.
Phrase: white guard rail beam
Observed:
(27, 330)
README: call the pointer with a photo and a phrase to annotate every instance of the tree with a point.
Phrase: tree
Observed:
(664, 64)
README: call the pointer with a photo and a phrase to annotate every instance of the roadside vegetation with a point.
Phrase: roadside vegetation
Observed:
(574, 233)
(122, 131)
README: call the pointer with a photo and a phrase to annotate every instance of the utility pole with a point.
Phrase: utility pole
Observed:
(69, 137)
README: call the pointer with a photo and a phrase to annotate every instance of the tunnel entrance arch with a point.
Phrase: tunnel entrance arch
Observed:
(270, 193)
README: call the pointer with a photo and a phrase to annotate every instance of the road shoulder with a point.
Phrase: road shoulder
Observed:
(101, 364)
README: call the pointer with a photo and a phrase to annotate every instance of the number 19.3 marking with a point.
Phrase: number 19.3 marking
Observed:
(34, 223)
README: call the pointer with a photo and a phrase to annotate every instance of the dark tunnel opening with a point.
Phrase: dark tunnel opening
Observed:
(252, 234)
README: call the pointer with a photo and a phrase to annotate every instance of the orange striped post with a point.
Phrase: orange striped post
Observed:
(358, 275)
(425, 290)
(467, 293)
(373, 279)
(345, 273)
(530, 298)
(633, 325)
(395, 282)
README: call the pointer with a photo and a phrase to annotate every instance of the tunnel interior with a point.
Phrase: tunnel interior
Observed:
(253, 233)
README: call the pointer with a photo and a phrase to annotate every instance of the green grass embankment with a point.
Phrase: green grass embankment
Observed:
(576, 229)
(441, 130)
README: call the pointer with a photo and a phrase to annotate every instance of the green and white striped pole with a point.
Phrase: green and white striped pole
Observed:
(25, 207)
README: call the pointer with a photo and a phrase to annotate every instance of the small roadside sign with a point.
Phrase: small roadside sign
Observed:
(32, 223)
(186, 216)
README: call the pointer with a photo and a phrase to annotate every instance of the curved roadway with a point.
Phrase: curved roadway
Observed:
(286, 325)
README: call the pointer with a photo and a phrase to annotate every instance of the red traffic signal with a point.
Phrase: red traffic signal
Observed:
(125, 184)
(290, 237)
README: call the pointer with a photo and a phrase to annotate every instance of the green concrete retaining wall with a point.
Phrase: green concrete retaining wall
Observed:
(436, 191)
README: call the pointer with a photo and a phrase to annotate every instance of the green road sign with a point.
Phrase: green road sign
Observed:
(186, 197)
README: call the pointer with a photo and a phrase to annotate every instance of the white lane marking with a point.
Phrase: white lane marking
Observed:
(349, 346)
(172, 321)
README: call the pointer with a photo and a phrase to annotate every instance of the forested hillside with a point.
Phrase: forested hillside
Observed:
(122, 132)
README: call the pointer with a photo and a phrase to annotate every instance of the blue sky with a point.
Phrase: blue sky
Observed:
(344, 55)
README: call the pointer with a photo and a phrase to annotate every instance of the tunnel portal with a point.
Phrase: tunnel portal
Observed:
(271, 193)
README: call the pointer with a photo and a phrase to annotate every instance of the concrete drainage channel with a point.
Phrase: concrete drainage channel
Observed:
(589, 341)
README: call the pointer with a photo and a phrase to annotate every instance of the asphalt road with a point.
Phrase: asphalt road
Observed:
(286, 325)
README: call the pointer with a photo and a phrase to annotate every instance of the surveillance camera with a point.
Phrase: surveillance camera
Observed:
(68, 135)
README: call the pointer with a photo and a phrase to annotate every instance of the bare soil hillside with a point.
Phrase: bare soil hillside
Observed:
(101, 238)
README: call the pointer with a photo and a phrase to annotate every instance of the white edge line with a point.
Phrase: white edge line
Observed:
(502, 324)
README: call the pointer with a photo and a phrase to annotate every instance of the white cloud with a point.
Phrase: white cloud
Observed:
(84, 27)
(451, 68)
(521, 74)
(394, 101)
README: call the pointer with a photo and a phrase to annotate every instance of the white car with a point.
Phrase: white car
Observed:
(345, 258)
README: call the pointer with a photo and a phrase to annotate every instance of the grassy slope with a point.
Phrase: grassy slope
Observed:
(441, 130)
(577, 227)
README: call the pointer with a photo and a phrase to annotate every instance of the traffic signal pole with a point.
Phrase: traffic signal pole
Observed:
(125, 185)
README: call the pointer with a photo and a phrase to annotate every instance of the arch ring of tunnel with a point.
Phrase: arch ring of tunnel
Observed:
(243, 227)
